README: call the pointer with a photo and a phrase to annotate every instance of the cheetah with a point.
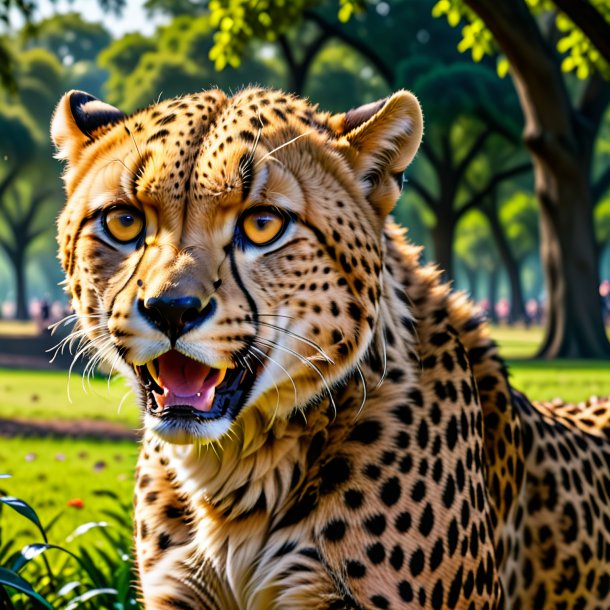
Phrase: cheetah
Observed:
(326, 423)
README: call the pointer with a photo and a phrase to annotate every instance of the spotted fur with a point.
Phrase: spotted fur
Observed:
(382, 459)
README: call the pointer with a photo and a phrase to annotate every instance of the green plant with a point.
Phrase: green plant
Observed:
(96, 575)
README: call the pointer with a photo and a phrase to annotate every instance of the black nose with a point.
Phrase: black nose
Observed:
(175, 316)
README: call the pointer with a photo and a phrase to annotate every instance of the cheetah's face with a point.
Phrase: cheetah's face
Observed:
(228, 250)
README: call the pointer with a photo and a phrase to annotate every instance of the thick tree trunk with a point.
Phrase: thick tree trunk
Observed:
(443, 234)
(560, 145)
(574, 324)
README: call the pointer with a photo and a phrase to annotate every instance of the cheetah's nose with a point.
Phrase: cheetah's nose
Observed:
(175, 316)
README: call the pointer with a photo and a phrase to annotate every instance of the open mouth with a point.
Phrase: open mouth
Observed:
(178, 387)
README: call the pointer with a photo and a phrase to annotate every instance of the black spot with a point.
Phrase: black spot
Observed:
(403, 522)
(334, 530)
(439, 339)
(397, 558)
(405, 591)
(353, 498)
(375, 524)
(379, 601)
(426, 522)
(366, 432)
(333, 473)
(416, 563)
(404, 414)
(438, 595)
(422, 434)
(376, 553)
(354, 311)
(164, 541)
(247, 136)
(162, 133)
(390, 492)
(449, 492)
(355, 569)
(418, 493)
(372, 471)
(438, 552)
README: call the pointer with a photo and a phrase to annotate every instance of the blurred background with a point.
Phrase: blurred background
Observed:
(509, 194)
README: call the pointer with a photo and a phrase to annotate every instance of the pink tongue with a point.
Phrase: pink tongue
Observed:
(180, 375)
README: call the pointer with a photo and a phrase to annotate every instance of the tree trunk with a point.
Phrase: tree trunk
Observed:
(560, 146)
(517, 303)
(18, 260)
(443, 234)
(574, 324)
(471, 279)
(492, 295)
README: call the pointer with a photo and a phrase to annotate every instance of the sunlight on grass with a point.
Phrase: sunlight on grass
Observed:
(60, 476)
(44, 395)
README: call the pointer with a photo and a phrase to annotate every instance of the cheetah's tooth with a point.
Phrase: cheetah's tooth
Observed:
(152, 370)
(221, 376)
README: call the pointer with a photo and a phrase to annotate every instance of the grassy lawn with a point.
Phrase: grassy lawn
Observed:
(571, 380)
(44, 395)
(60, 477)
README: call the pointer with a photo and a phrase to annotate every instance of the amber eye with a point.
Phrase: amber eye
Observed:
(124, 224)
(262, 226)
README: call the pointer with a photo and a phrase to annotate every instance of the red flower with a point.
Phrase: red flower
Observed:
(76, 503)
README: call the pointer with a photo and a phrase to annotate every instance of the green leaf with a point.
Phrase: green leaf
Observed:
(77, 601)
(84, 528)
(24, 509)
(10, 579)
(31, 551)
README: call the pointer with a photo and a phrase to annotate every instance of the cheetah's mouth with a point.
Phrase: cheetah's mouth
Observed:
(180, 388)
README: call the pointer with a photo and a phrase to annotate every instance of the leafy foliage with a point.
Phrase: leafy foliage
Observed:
(580, 56)
(95, 576)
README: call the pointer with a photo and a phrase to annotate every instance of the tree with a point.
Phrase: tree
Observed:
(26, 165)
(141, 69)
(476, 249)
(469, 114)
(560, 135)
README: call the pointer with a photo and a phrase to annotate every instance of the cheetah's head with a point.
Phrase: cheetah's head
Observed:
(227, 251)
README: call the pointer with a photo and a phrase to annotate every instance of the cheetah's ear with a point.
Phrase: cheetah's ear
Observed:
(380, 140)
(76, 117)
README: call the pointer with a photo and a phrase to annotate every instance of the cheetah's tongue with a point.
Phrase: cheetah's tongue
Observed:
(186, 382)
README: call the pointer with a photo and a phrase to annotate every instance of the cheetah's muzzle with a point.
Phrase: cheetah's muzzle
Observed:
(180, 390)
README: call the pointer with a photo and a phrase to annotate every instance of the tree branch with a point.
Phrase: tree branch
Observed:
(431, 156)
(356, 43)
(7, 180)
(590, 21)
(537, 77)
(288, 54)
(493, 183)
(473, 152)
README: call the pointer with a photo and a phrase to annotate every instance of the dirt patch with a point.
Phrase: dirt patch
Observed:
(79, 428)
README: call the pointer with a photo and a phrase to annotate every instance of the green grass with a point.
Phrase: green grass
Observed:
(50, 473)
(517, 342)
(44, 395)
(571, 380)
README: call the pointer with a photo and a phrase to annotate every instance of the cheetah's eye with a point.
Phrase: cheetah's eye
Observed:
(262, 226)
(123, 224)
